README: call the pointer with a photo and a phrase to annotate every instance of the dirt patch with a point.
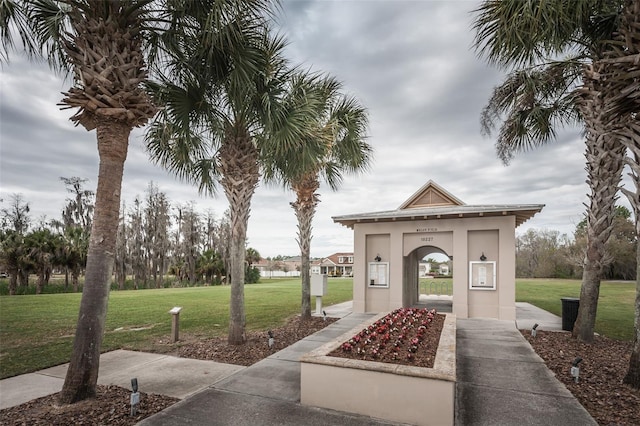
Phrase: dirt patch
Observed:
(604, 364)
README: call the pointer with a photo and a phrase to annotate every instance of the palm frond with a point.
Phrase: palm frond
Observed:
(530, 104)
(521, 33)
(14, 15)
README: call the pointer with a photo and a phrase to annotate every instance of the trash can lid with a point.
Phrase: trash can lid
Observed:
(571, 299)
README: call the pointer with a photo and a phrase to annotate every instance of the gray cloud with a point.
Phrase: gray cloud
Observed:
(409, 63)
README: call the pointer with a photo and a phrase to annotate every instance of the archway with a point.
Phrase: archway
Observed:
(428, 278)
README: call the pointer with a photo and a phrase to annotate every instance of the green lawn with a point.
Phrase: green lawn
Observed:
(615, 305)
(37, 331)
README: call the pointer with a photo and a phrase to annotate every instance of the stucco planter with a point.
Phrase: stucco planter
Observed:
(399, 393)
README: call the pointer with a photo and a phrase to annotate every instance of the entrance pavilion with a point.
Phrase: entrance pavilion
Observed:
(479, 239)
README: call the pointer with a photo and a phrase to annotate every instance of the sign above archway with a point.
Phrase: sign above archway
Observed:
(480, 239)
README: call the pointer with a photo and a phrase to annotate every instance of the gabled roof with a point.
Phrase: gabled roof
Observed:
(434, 202)
(431, 195)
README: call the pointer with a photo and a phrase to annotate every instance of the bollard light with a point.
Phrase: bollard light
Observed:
(135, 397)
(533, 330)
(324, 316)
(575, 369)
(270, 334)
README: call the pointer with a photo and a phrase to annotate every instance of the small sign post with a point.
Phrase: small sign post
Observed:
(175, 323)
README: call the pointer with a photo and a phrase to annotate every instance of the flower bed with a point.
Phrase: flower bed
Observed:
(336, 376)
(407, 336)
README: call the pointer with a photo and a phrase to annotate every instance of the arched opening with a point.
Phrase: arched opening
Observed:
(429, 278)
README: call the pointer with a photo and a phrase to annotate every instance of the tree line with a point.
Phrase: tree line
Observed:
(157, 244)
(549, 254)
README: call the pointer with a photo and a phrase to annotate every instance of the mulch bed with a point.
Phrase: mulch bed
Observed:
(257, 346)
(604, 364)
(109, 407)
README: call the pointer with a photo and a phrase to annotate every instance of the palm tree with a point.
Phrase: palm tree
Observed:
(105, 45)
(41, 246)
(11, 252)
(620, 68)
(338, 126)
(252, 256)
(73, 253)
(210, 265)
(543, 93)
(211, 132)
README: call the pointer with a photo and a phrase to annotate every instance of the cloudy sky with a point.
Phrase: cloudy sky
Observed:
(409, 62)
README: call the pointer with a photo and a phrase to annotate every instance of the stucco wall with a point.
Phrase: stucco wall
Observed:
(464, 239)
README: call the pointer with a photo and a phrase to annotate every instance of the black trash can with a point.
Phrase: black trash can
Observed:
(570, 307)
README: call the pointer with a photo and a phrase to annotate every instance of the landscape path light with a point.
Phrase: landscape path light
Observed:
(135, 397)
(575, 369)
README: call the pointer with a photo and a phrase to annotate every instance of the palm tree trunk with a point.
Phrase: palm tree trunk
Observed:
(626, 96)
(40, 282)
(13, 282)
(238, 159)
(82, 375)
(632, 376)
(75, 275)
(605, 160)
(305, 209)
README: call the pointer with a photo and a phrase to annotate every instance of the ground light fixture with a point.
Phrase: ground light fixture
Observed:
(135, 397)
(270, 341)
(324, 316)
(534, 330)
(575, 369)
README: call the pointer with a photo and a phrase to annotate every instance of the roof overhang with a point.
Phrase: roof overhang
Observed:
(522, 212)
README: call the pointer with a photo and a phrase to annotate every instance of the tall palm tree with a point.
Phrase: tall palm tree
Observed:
(335, 145)
(212, 132)
(620, 68)
(542, 93)
(106, 45)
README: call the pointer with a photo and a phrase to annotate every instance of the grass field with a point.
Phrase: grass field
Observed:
(615, 305)
(37, 331)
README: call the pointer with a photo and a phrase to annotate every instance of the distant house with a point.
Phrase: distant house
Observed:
(286, 267)
(426, 269)
(336, 265)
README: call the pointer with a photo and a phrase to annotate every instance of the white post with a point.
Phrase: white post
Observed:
(175, 323)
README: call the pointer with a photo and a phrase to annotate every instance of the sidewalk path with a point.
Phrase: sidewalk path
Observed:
(502, 381)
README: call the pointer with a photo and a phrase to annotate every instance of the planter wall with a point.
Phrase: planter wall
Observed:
(399, 393)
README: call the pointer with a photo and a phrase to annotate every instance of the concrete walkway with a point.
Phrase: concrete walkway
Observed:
(501, 381)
